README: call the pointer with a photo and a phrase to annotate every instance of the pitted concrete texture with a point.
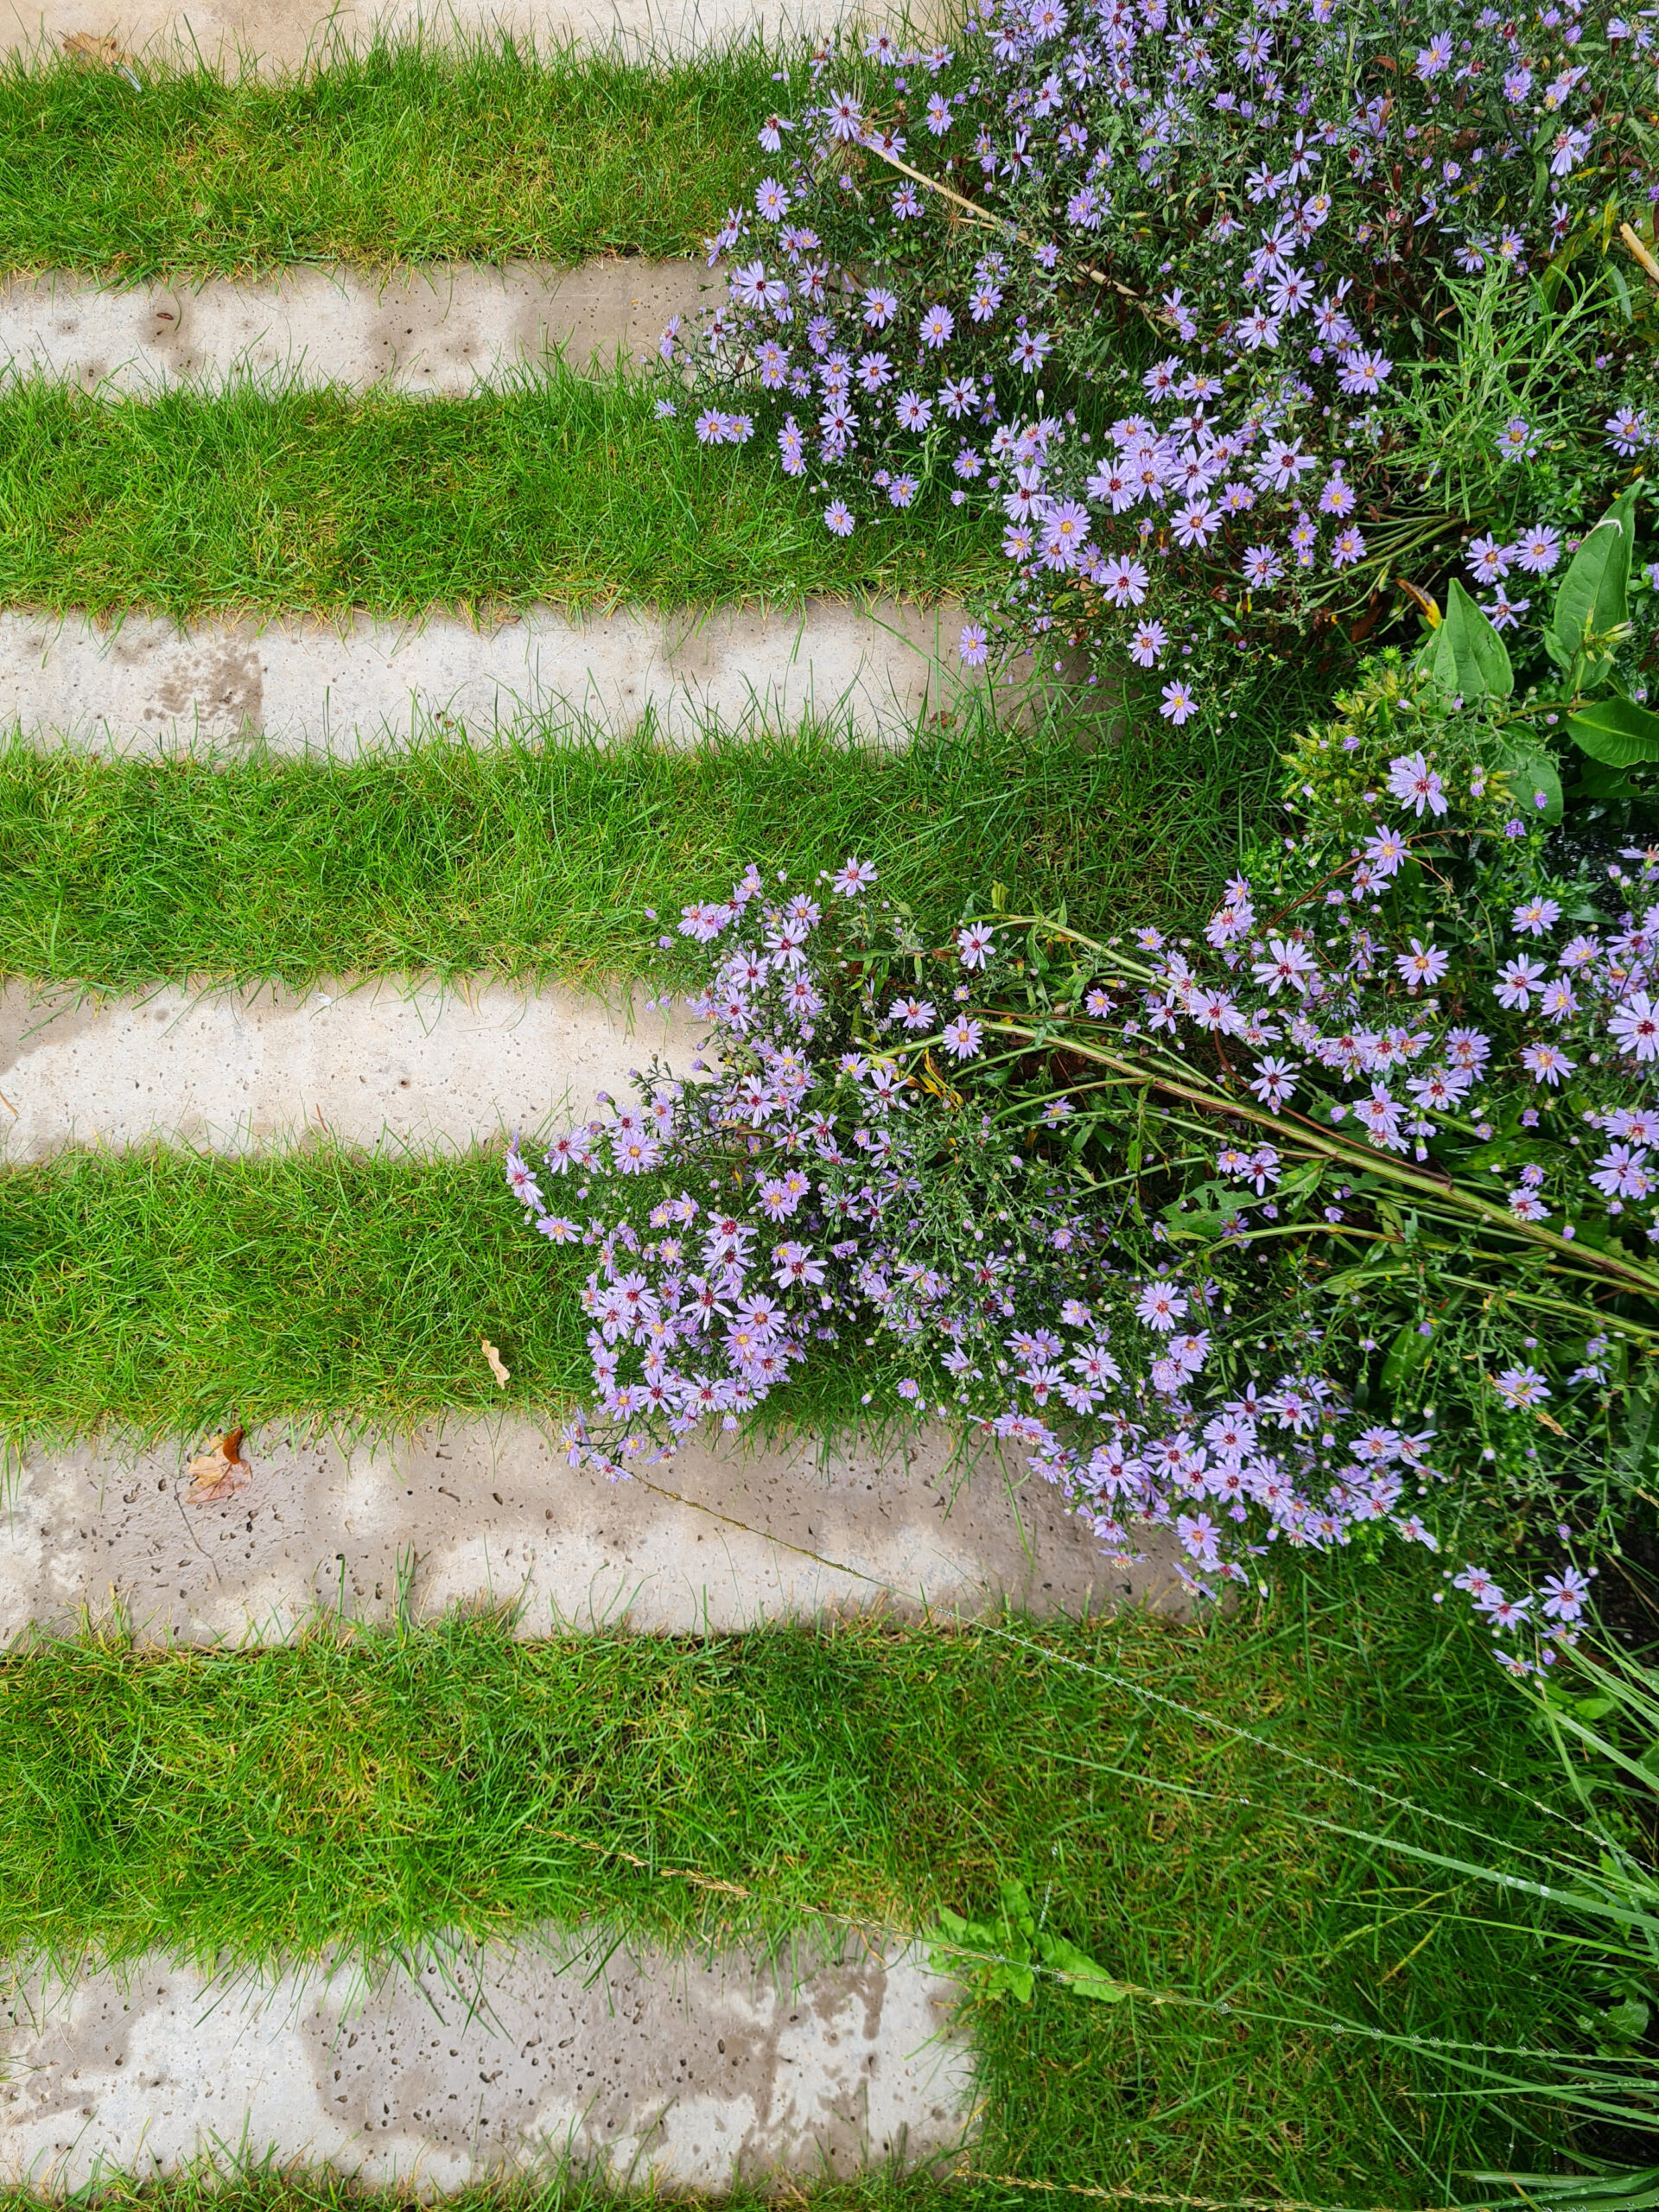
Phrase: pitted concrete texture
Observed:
(143, 687)
(436, 331)
(383, 1065)
(696, 2075)
(281, 38)
(722, 1537)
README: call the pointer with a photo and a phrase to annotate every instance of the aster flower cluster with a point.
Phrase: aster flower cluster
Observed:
(1333, 1221)
(1187, 297)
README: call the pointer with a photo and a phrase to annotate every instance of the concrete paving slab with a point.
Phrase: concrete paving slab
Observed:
(280, 38)
(382, 1066)
(724, 1537)
(693, 2074)
(144, 687)
(436, 331)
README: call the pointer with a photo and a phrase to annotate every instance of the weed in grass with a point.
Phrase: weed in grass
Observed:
(1174, 1796)
(550, 486)
(476, 151)
(540, 855)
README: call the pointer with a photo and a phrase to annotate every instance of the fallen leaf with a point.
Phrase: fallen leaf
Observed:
(499, 1372)
(220, 1472)
(102, 54)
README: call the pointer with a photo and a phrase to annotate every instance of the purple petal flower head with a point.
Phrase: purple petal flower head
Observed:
(1414, 783)
(1179, 704)
(852, 877)
(1488, 561)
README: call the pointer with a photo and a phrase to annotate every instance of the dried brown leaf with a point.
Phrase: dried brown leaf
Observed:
(499, 1372)
(219, 1472)
(101, 53)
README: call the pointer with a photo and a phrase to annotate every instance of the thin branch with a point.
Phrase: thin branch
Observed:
(997, 222)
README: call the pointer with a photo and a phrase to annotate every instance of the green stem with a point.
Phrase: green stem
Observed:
(1304, 1139)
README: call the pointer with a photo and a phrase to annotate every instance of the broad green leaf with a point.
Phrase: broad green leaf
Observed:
(1592, 596)
(1085, 1976)
(1019, 1982)
(1616, 732)
(1466, 656)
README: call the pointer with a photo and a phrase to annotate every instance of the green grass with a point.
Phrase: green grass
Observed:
(372, 1790)
(523, 859)
(478, 152)
(553, 487)
(265, 2185)
(164, 1290)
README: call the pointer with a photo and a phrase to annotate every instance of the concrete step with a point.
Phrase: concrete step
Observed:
(693, 2074)
(435, 330)
(385, 1065)
(281, 38)
(724, 1537)
(145, 687)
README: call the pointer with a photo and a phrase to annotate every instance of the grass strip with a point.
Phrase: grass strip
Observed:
(551, 487)
(373, 1790)
(408, 151)
(247, 2184)
(530, 860)
(155, 1290)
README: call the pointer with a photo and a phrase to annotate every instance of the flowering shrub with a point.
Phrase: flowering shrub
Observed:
(1232, 314)
(1343, 1217)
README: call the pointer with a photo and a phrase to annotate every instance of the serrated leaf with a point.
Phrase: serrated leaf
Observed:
(1593, 592)
(1616, 732)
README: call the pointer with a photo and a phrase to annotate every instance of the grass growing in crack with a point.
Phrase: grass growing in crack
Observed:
(267, 2185)
(527, 862)
(478, 150)
(372, 1790)
(554, 486)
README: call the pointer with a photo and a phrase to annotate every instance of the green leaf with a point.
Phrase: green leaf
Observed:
(1085, 1976)
(1019, 1982)
(1616, 732)
(1405, 1354)
(1466, 656)
(1016, 1907)
(1593, 592)
(1557, 650)
(1532, 776)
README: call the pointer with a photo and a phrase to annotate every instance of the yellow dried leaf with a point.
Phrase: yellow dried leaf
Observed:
(499, 1372)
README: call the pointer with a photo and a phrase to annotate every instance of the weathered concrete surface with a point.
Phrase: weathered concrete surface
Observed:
(722, 1538)
(143, 687)
(695, 2075)
(437, 331)
(275, 38)
(384, 1065)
